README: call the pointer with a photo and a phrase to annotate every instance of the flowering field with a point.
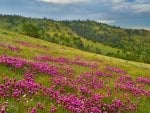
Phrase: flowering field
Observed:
(41, 77)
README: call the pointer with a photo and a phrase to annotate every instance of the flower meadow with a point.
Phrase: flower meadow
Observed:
(47, 83)
(10, 47)
(85, 93)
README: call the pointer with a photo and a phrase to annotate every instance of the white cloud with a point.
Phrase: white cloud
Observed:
(140, 8)
(113, 2)
(118, 1)
(63, 1)
(105, 21)
(140, 27)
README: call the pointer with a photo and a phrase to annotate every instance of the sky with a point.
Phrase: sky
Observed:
(123, 13)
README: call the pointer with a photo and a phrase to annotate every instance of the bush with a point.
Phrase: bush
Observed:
(31, 30)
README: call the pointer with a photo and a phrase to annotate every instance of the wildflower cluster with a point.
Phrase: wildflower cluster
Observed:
(86, 92)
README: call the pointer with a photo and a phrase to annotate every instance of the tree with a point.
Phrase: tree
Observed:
(31, 30)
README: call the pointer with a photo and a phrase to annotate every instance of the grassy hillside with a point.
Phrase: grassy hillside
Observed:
(40, 76)
(134, 43)
(53, 31)
(129, 44)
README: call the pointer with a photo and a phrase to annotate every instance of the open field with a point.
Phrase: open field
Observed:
(37, 76)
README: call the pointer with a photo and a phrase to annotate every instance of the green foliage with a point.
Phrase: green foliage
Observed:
(78, 42)
(135, 44)
(31, 30)
(91, 36)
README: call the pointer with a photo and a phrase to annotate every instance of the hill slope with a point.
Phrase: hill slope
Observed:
(52, 31)
(85, 35)
(134, 43)
(39, 76)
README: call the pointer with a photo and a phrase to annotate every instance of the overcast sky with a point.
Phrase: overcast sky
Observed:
(124, 13)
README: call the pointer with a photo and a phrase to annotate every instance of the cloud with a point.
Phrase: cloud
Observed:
(106, 21)
(140, 8)
(125, 13)
(140, 27)
(63, 1)
(118, 1)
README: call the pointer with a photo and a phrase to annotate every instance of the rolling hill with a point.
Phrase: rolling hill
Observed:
(53, 31)
(133, 43)
(38, 76)
(129, 44)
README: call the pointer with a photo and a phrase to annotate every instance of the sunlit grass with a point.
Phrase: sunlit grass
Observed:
(133, 68)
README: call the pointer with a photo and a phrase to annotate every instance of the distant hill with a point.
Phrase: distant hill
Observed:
(129, 44)
(134, 43)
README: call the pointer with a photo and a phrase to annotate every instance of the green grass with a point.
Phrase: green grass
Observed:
(54, 27)
(104, 48)
(6, 72)
(133, 68)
